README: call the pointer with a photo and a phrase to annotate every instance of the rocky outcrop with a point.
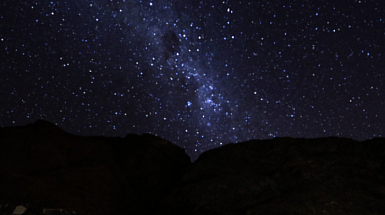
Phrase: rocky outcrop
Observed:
(43, 167)
(8, 209)
(284, 176)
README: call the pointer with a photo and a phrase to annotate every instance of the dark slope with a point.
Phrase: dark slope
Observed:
(285, 176)
(45, 167)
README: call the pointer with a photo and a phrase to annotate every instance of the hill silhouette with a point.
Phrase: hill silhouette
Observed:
(44, 167)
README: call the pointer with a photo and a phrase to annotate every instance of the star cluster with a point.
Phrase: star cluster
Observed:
(198, 73)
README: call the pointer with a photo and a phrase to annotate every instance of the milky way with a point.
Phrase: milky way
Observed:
(198, 73)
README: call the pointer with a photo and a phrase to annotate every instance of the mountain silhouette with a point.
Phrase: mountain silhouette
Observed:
(43, 166)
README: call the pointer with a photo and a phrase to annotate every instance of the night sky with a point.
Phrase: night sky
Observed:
(198, 73)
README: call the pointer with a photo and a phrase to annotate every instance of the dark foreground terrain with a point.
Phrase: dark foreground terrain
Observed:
(43, 167)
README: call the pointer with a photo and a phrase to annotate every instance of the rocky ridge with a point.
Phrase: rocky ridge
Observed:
(44, 167)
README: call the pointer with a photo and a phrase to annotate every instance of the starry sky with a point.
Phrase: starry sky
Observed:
(198, 73)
